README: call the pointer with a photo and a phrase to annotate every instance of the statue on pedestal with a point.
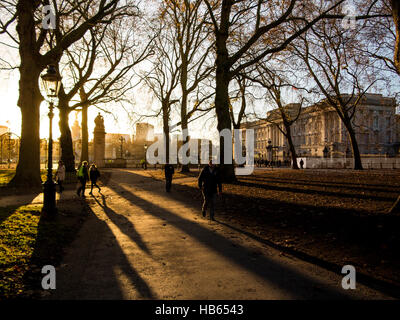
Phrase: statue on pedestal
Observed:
(99, 141)
(99, 122)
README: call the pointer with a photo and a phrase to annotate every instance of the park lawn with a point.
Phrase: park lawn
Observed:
(6, 175)
(18, 232)
(338, 216)
(27, 243)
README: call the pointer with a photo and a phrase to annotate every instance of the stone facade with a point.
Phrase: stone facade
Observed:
(319, 126)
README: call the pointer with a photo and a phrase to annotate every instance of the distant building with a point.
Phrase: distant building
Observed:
(113, 145)
(76, 136)
(3, 130)
(318, 126)
(144, 137)
(44, 151)
(144, 132)
(76, 131)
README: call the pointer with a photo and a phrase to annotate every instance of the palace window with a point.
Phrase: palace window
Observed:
(376, 123)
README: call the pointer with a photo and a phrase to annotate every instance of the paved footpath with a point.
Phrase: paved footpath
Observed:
(141, 243)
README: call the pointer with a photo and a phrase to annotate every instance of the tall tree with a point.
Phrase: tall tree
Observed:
(285, 114)
(188, 22)
(100, 72)
(163, 78)
(266, 26)
(242, 96)
(76, 18)
(340, 73)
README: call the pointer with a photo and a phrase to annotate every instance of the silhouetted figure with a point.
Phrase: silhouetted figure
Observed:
(60, 175)
(83, 176)
(94, 174)
(169, 172)
(301, 164)
(210, 185)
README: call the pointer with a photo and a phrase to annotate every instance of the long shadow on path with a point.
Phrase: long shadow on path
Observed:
(315, 182)
(313, 191)
(123, 224)
(98, 268)
(296, 283)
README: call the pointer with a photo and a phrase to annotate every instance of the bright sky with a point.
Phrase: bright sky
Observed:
(142, 102)
(119, 123)
(11, 116)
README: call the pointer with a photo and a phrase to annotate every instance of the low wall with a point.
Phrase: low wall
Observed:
(348, 163)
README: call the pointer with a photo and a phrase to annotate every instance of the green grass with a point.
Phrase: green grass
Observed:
(6, 175)
(18, 232)
(27, 243)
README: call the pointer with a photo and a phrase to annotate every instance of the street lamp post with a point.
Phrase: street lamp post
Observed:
(121, 139)
(145, 156)
(9, 149)
(51, 82)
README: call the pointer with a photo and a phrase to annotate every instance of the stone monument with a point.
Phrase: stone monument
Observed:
(99, 141)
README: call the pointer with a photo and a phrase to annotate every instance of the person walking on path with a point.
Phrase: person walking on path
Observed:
(94, 174)
(169, 172)
(60, 175)
(83, 176)
(210, 184)
(301, 164)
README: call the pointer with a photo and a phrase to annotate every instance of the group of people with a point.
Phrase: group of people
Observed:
(209, 182)
(84, 174)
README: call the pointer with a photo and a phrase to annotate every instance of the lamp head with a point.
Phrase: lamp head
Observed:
(51, 82)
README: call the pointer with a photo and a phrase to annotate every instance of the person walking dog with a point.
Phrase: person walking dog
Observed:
(210, 184)
(60, 175)
(94, 174)
(83, 176)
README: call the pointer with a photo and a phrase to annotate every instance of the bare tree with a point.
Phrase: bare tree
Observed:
(163, 78)
(284, 115)
(340, 73)
(242, 96)
(188, 22)
(24, 25)
(115, 51)
(265, 24)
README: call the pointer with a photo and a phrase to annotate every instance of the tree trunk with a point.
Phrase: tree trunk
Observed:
(224, 120)
(291, 147)
(67, 151)
(354, 146)
(28, 169)
(396, 18)
(85, 134)
(185, 167)
(166, 131)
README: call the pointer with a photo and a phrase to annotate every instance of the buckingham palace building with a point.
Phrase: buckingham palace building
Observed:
(318, 131)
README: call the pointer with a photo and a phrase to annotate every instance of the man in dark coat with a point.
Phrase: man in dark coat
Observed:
(169, 172)
(210, 184)
(94, 174)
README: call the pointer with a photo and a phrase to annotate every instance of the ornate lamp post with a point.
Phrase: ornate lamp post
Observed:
(121, 139)
(145, 156)
(51, 82)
